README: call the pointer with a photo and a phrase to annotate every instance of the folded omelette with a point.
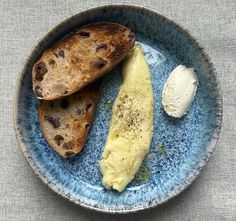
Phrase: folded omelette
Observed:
(131, 126)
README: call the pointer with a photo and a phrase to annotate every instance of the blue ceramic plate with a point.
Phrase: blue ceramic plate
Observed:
(180, 147)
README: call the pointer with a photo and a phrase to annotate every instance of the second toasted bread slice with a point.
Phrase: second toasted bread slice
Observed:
(80, 58)
(65, 122)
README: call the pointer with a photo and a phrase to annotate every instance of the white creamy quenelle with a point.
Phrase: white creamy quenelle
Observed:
(131, 126)
(179, 91)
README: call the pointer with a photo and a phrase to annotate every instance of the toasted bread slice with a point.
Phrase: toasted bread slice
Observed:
(65, 122)
(80, 58)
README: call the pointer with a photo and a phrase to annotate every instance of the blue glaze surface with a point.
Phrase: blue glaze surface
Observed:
(188, 141)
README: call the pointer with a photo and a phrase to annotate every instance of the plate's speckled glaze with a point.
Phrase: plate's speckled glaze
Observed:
(188, 142)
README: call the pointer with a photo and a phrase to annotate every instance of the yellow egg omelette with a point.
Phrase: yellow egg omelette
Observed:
(131, 126)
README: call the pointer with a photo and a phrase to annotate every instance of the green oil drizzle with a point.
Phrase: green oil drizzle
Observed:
(161, 148)
(143, 174)
(108, 105)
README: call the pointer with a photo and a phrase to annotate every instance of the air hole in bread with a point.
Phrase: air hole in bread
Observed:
(53, 121)
(38, 91)
(59, 139)
(101, 47)
(86, 126)
(40, 71)
(88, 106)
(84, 34)
(61, 53)
(98, 63)
(51, 62)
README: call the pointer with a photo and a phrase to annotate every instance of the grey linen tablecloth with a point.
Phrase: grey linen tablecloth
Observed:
(24, 197)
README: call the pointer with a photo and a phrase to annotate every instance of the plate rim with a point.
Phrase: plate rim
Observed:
(189, 179)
